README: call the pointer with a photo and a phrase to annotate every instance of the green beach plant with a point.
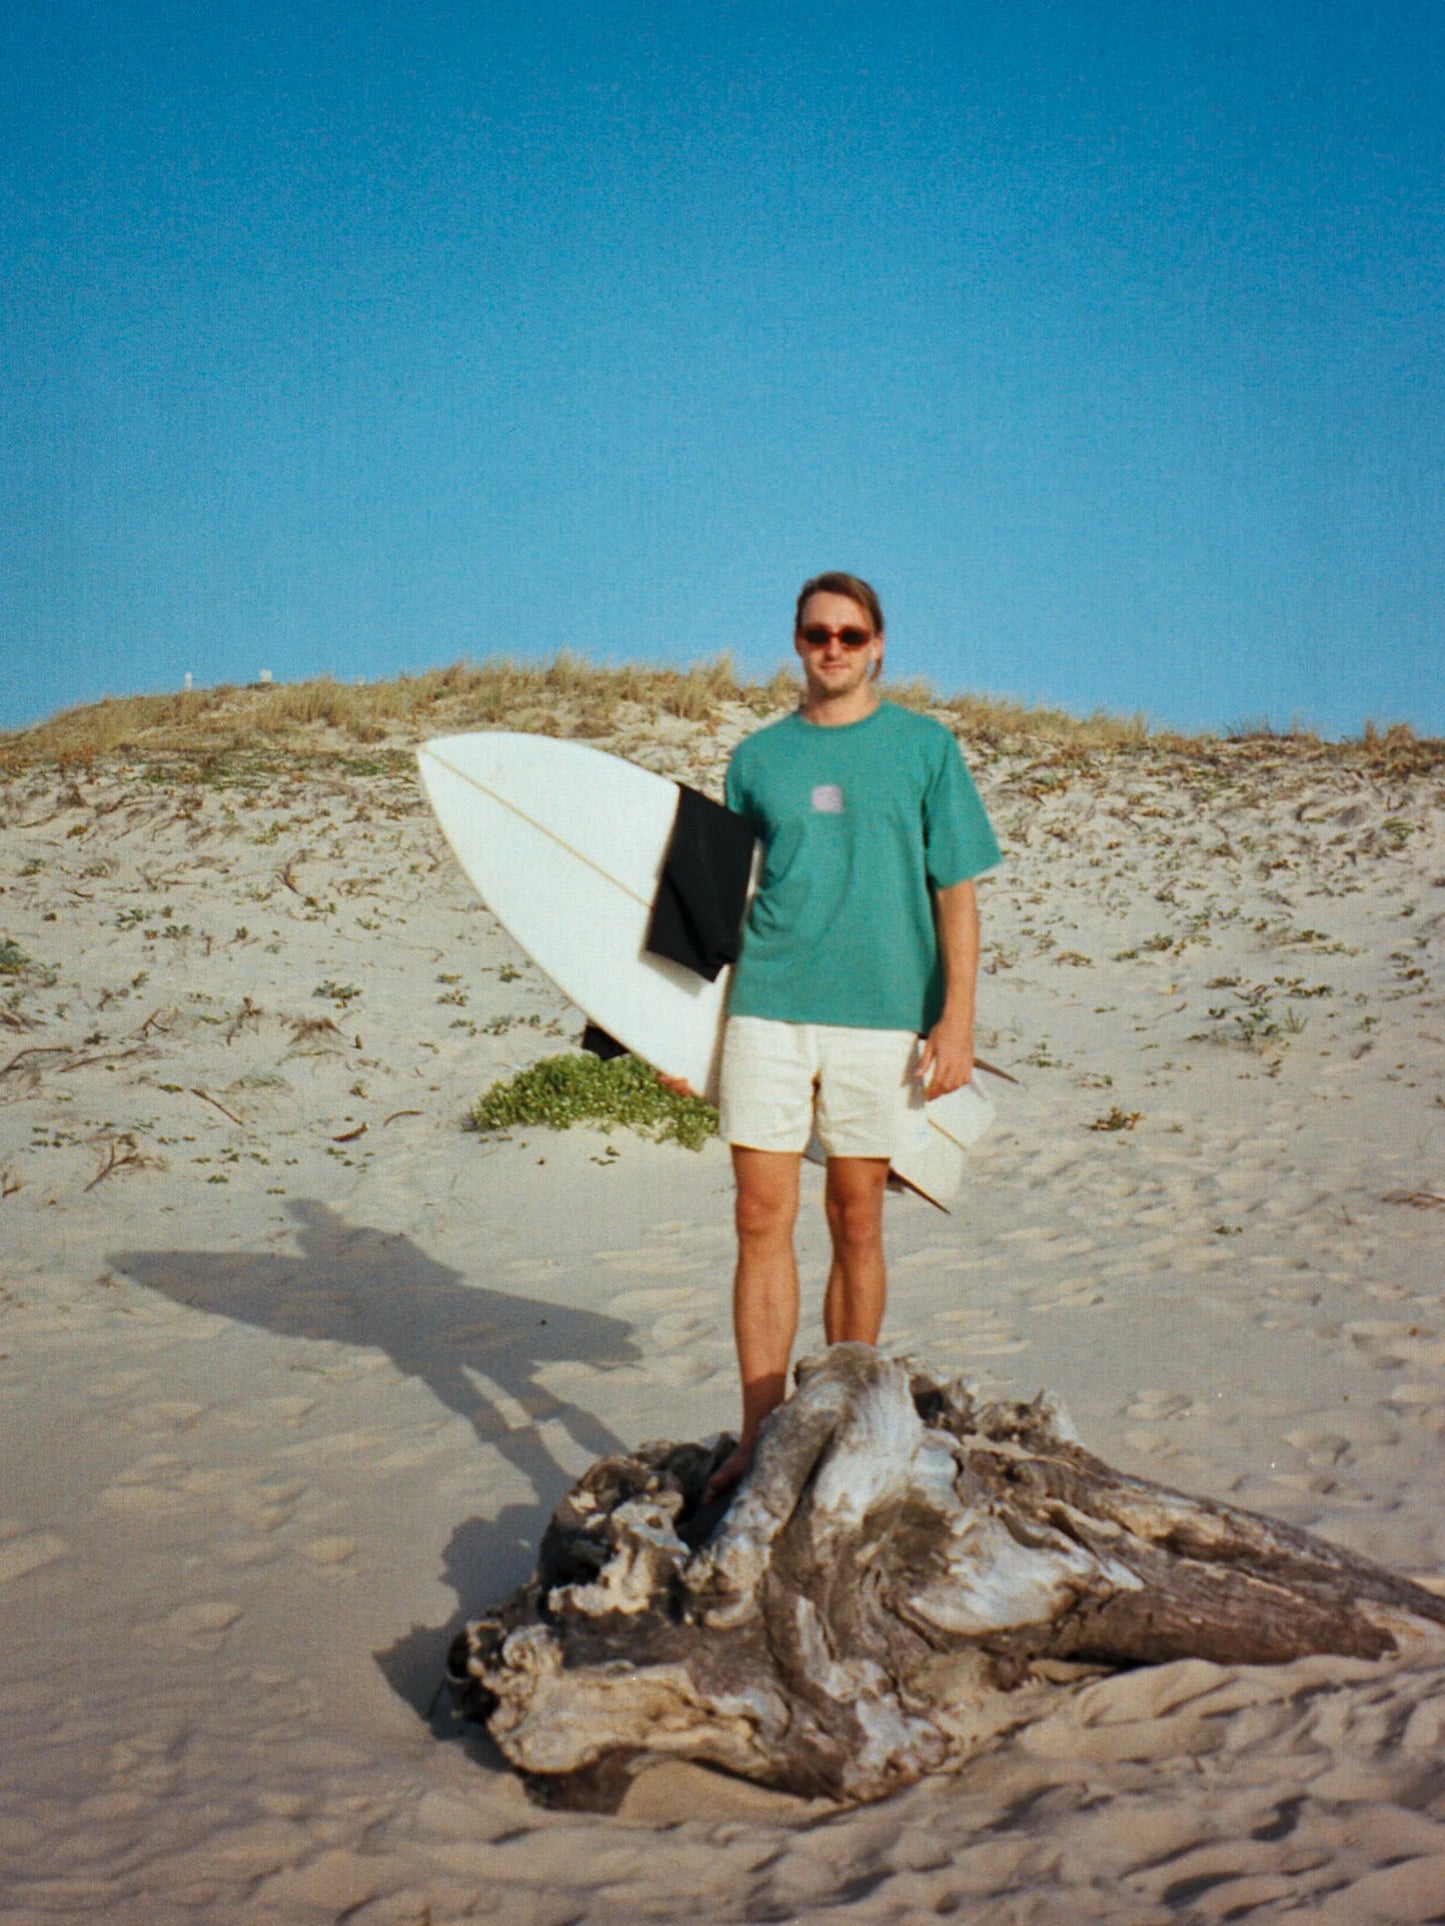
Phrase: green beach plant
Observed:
(558, 1092)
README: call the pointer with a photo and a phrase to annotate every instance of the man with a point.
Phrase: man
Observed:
(861, 940)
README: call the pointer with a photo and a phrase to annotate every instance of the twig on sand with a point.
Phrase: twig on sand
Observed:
(120, 1154)
(110, 1164)
(206, 1097)
(99, 1056)
(350, 1136)
(155, 1017)
(401, 1113)
(249, 1012)
(993, 1070)
(35, 1050)
(1421, 1199)
(8, 1184)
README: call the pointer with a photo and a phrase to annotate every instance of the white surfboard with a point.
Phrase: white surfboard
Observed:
(565, 845)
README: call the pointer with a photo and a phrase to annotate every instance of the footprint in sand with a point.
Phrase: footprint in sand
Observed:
(265, 1414)
(330, 1554)
(993, 1344)
(931, 1258)
(264, 1507)
(651, 1262)
(119, 1384)
(1320, 1447)
(1076, 1297)
(1421, 1403)
(167, 1414)
(654, 1299)
(1394, 1343)
(1153, 1444)
(675, 1330)
(343, 1444)
(201, 1627)
(1150, 1406)
(149, 1487)
(22, 1551)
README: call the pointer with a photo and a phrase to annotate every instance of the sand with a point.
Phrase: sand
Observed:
(292, 1367)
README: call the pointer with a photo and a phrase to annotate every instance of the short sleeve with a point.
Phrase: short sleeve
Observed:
(958, 838)
(735, 790)
(734, 794)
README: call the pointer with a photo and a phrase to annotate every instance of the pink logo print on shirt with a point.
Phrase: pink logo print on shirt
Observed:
(827, 799)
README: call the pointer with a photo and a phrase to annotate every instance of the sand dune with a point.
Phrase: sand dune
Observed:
(292, 1368)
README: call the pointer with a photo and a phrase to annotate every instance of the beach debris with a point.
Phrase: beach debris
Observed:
(249, 1012)
(908, 1572)
(122, 1152)
(1420, 1199)
(22, 1062)
(313, 1036)
(107, 1057)
(206, 1097)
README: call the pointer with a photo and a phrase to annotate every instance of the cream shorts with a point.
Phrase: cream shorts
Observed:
(779, 1080)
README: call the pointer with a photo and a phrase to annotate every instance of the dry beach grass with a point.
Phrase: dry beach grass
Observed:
(572, 697)
(293, 1366)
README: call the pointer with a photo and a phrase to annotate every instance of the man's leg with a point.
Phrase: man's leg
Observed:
(765, 1291)
(858, 1280)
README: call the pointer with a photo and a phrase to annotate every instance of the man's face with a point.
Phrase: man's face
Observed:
(832, 668)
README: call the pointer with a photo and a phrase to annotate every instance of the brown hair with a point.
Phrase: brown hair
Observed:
(835, 582)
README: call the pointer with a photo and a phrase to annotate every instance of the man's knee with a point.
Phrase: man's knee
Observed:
(855, 1225)
(855, 1211)
(764, 1214)
(767, 1193)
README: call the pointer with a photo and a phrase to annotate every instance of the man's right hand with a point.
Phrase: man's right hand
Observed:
(945, 1062)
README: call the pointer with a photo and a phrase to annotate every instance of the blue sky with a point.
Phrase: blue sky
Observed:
(1102, 336)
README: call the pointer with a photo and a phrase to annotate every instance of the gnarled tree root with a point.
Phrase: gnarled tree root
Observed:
(906, 1572)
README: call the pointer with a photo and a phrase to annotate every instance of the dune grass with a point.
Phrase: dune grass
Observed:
(376, 724)
(566, 695)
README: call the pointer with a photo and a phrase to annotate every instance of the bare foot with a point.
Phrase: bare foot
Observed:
(730, 1472)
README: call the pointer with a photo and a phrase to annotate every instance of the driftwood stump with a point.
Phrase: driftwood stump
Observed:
(906, 1572)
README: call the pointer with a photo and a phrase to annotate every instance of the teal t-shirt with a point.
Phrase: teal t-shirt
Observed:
(858, 824)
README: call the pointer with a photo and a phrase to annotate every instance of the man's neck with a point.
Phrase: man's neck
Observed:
(833, 712)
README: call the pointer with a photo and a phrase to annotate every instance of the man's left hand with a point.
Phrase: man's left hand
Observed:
(946, 1061)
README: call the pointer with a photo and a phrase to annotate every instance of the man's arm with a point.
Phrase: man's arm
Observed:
(947, 1059)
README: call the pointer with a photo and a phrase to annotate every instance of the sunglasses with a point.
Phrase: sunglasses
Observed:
(817, 637)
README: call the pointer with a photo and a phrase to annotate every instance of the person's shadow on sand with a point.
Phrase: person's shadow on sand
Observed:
(379, 1291)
